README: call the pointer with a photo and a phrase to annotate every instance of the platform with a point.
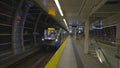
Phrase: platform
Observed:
(68, 57)
(74, 57)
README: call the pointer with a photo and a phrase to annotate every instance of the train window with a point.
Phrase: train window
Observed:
(50, 34)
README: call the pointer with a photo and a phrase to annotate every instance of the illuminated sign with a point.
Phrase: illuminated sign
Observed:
(52, 12)
(51, 28)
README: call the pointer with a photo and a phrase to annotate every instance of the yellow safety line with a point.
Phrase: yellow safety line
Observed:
(55, 59)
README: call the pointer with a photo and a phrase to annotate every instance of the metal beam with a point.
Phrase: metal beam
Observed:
(35, 28)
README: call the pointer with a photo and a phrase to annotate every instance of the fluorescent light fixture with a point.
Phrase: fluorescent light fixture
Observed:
(79, 31)
(65, 23)
(59, 7)
(42, 39)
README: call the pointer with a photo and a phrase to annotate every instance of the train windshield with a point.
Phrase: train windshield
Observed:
(50, 34)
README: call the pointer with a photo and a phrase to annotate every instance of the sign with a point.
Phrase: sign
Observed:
(51, 28)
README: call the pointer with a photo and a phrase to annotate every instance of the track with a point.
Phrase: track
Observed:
(36, 60)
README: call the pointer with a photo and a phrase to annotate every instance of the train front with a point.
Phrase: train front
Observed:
(50, 37)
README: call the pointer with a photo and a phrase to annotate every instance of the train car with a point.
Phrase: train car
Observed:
(52, 37)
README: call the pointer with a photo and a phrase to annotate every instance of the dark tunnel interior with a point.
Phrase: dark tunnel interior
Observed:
(22, 24)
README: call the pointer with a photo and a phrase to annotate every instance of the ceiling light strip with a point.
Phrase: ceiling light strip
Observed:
(65, 23)
(59, 7)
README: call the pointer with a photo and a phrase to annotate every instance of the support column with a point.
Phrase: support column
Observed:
(35, 33)
(86, 41)
(75, 33)
(118, 33)
(16, 38)
(117, 43)
(18, 28)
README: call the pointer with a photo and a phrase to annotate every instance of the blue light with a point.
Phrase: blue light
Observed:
(70, 26)
(95, 27)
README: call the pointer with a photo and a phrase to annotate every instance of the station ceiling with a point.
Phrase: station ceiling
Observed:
(77, 11)
(110, 9)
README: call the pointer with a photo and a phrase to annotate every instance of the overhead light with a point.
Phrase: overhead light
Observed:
(65, 23)
(59, 7)
(52, 12)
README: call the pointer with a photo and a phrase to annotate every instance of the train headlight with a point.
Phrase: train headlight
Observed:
(42, 39)
(56, 40)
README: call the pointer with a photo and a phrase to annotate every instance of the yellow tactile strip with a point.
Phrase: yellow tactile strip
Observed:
(55, 59)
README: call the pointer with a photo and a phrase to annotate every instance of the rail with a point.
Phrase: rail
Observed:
(13, 59)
